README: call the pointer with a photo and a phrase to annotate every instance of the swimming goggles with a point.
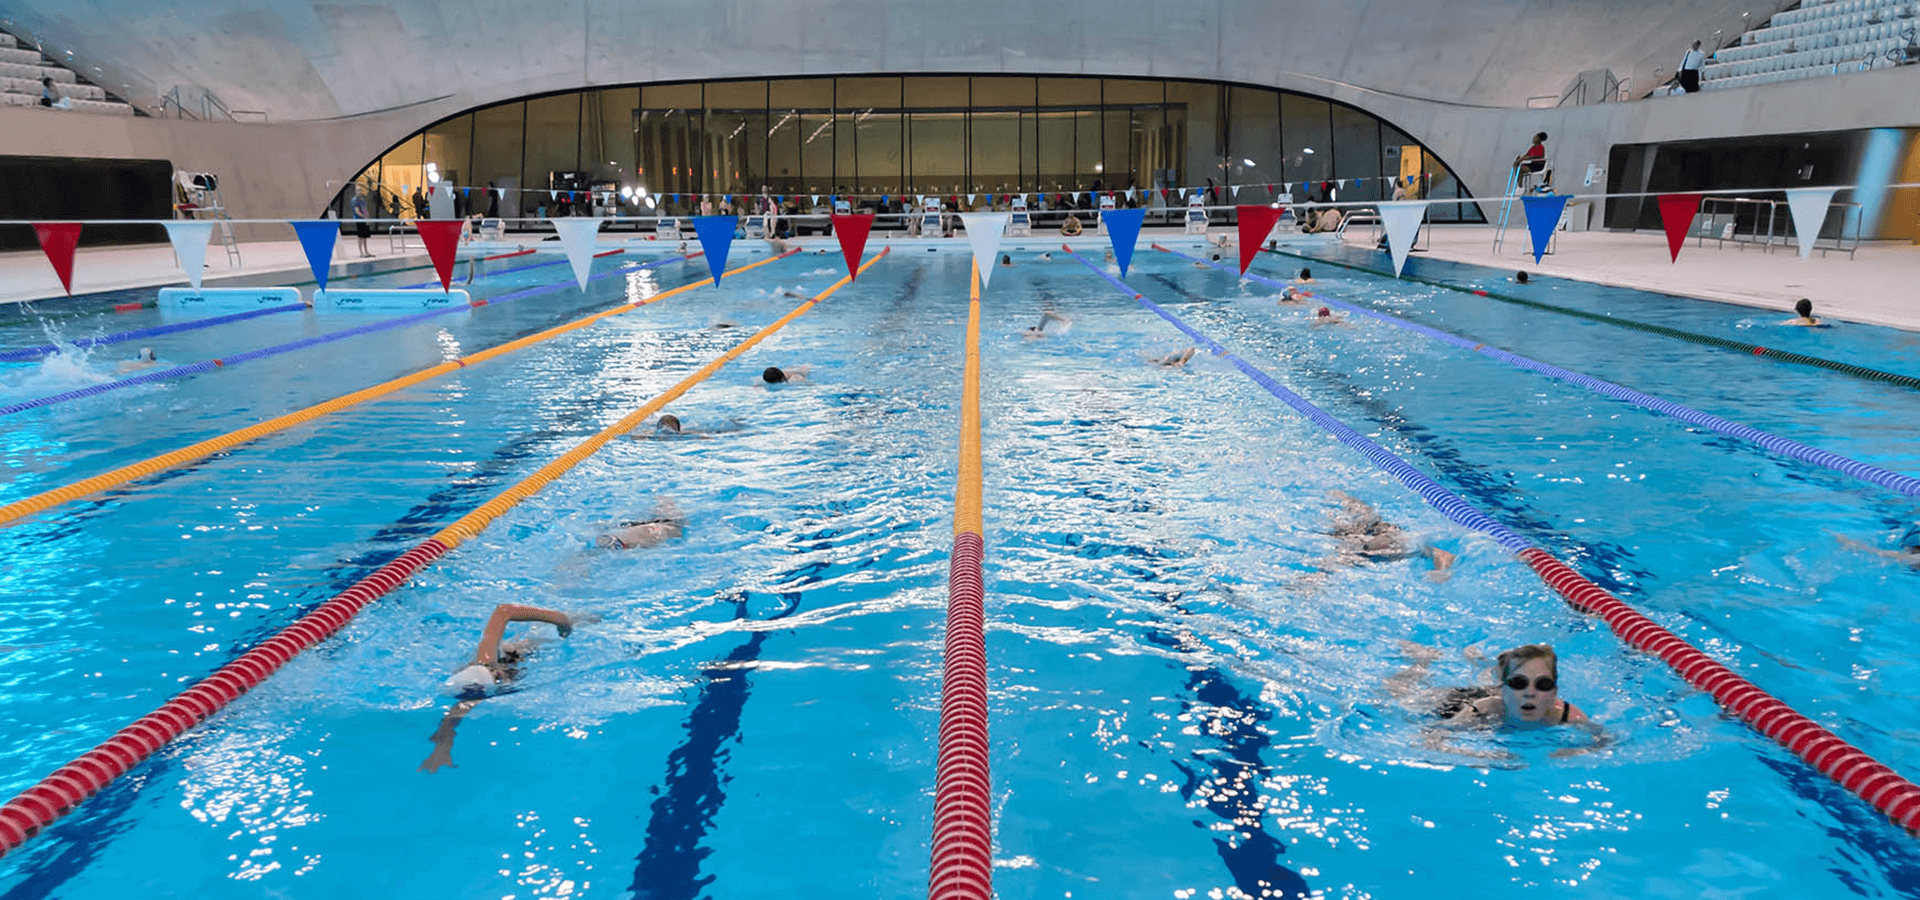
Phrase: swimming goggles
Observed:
(1543, 683)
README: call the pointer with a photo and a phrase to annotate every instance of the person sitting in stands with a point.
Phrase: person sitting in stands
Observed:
(1072, 226)
(492, 669)
(1803, 315)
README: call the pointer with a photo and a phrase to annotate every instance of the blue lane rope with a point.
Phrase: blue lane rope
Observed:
(24, 354)
(1447, 502)
(250, 355)
(1867, 472)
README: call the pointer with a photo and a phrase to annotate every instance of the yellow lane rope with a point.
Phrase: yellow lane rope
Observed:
(966, 494)
(46, 500)
(474, 522)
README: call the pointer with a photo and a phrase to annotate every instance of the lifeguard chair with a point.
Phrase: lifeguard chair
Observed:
(1196, 215)
(1020, 223)
(931, 221)
(1100, 218)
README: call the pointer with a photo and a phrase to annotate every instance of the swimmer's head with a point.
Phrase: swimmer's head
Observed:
(1306, 274)
(475, 679)
(1520, 277)
(668, 424)
(773, 375)
(146, 354)
(1530, 682)
(1006, 260)
(1803, 308)
(1324, 313)
(1216, 257)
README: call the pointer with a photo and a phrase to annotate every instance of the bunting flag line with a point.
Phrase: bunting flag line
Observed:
(1123, 229)
(189, 238)
(317, 237)
(716, 237)
(576, 238)
(1676, 215)
(984, 231)
(442, 237)
(57, 240)
(852, 231)
(1402, 219)
(1809, 207)
(1256, 222)
(1543, 216)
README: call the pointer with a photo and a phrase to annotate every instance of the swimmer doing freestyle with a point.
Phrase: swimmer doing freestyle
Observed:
(1526, 695)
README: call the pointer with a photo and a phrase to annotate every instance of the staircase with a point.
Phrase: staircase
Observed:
(22, 68)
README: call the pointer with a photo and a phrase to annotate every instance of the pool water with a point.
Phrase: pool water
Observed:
(1190, 690)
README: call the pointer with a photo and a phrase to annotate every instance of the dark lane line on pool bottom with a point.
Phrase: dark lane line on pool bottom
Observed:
(87, 833)
(1477, 484)
(1254, 862)
(669, 863)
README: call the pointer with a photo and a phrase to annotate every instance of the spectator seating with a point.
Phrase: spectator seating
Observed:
(1818, 39)
(22, 68)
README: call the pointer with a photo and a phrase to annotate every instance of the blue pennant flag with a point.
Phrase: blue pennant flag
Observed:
(317, 239)
(716, 235)
(1123, 228)
(1543, 214)
(883, 199)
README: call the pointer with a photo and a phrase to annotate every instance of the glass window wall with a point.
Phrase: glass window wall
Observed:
(868, 136)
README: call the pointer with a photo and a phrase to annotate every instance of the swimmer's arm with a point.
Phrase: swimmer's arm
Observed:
(507, 613)
(1601, 739)
(442, 737)
(1912, 559)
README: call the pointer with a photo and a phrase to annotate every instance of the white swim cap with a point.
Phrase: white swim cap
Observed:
(474, 676)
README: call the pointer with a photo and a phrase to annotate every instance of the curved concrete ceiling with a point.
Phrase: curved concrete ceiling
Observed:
(298, 60)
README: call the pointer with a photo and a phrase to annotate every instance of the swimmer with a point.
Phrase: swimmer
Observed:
(1294, 295)
(1306, 277)
(666, 524)
(1006, 262)
(777, 375)
(493, 667)
(1325, 316)
(1520, 277)
(1803, 315)
(1909, 544)
(1175, 360)
(146, 360)
(1525, 696)
(1205, 264)
(1109, 256)
(776, 246)
(1046, 256)
(1365, 537)
(1051, 324)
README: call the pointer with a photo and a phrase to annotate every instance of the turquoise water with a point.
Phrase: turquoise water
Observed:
(1188, 693)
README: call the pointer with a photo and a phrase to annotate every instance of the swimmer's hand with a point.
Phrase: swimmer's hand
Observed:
(441, 757)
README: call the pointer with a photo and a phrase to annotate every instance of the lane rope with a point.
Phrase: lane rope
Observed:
(13, 512)
(1786, 356)
(1867, 472)
(277, 349)
(57, 794)
(1886, 790)
(28, 354)
(962, 866)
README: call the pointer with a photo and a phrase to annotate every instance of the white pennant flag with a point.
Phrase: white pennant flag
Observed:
(970, 198)
(1129, 195)
(816, 199)
(190, 244)
(576, 237)
(984, 231)
(1183, 193)
(1236, 191)
(1402, 218)
(1343, 184)
(1809, 207)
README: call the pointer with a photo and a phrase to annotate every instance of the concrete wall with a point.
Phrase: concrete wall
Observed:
(285, 170)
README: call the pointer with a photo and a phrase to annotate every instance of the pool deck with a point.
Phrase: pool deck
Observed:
(1880, 286)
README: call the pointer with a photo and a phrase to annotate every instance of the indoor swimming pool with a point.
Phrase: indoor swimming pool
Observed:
(1192, 687)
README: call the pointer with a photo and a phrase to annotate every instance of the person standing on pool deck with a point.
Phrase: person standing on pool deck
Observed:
(493, 667)
(361, 228)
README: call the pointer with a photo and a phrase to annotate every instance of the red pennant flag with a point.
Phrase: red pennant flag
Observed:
(441, 236)
(1676, 213)
(1255, 223)
(852, 231)
(57, 240)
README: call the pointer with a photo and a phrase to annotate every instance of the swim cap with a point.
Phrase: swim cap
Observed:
(474, 677)
(773, 375)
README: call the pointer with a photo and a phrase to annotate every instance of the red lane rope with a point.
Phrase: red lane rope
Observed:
(57, 794)
(1894, 796)
(962, 812)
